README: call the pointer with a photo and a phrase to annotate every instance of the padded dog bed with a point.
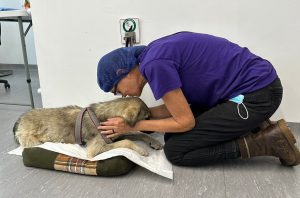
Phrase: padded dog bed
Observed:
(42, 158)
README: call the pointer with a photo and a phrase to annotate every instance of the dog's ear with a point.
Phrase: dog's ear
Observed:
(130, 115)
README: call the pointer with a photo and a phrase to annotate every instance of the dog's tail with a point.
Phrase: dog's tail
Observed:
(15, 129)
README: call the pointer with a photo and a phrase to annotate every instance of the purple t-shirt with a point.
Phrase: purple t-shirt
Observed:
(208, 69)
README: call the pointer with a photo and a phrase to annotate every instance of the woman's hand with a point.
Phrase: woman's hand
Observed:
(114, 127)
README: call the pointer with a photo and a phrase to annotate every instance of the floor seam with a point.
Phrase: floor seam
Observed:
(224, 179)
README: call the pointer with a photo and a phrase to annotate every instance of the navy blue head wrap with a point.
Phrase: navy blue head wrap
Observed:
(115, 65)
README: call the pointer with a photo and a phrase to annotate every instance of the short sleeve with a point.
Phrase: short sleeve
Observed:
(162, 76)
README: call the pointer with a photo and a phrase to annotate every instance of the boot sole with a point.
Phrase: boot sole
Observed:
(287, 133)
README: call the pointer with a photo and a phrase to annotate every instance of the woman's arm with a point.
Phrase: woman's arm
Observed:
(181, 120)
(159, 112)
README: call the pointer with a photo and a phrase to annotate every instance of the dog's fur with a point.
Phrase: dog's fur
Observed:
(58, 124)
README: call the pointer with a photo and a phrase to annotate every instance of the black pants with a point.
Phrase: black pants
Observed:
(214, 136)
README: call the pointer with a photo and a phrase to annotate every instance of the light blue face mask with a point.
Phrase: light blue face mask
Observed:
(239, 100)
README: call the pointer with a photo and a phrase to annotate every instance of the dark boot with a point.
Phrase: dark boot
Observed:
(263, 125)
(276, 140)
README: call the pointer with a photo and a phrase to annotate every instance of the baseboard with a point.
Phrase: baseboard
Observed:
(295, 126)
(5, 72)
(16, 66)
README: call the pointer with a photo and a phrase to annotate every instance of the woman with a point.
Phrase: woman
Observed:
(216, 96)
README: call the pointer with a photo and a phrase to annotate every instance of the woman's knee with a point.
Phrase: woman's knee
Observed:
(173, 153)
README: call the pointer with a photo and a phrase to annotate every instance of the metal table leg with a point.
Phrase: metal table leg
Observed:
(22, 36)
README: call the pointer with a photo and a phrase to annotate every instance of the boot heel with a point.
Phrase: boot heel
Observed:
(292, 141)
(297, 157)
(286, 131)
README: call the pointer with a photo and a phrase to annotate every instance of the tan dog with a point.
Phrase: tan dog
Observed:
(58, 124)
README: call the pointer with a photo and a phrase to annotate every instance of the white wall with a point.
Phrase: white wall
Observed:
(71, 37)
(11, 49)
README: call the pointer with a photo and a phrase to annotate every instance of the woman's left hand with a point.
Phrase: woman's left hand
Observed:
(114, 127)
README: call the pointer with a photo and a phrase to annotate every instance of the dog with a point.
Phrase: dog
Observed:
(58, 125)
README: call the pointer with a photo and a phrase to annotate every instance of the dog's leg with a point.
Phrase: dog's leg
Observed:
(126, 144)
(139, 136)
(97, 146)
(94, 146)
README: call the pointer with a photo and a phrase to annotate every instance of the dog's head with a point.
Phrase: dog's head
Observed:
(132, 109)
(139, 111)
(144, 113)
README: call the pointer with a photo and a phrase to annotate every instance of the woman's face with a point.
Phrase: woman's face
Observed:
(128, 86)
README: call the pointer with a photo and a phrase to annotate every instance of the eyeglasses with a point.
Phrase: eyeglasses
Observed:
(114, 91)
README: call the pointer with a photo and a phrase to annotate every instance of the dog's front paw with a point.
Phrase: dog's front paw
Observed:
(90, 155)
(155, 144)
(142, 152)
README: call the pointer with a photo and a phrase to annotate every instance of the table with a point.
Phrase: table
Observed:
(21, 16)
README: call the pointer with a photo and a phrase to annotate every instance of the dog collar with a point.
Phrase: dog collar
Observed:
(78, 125)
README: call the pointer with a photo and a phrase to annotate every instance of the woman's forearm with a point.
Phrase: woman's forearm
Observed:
(163, 125)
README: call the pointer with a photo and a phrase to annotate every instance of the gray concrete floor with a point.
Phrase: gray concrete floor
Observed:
(257, 177)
